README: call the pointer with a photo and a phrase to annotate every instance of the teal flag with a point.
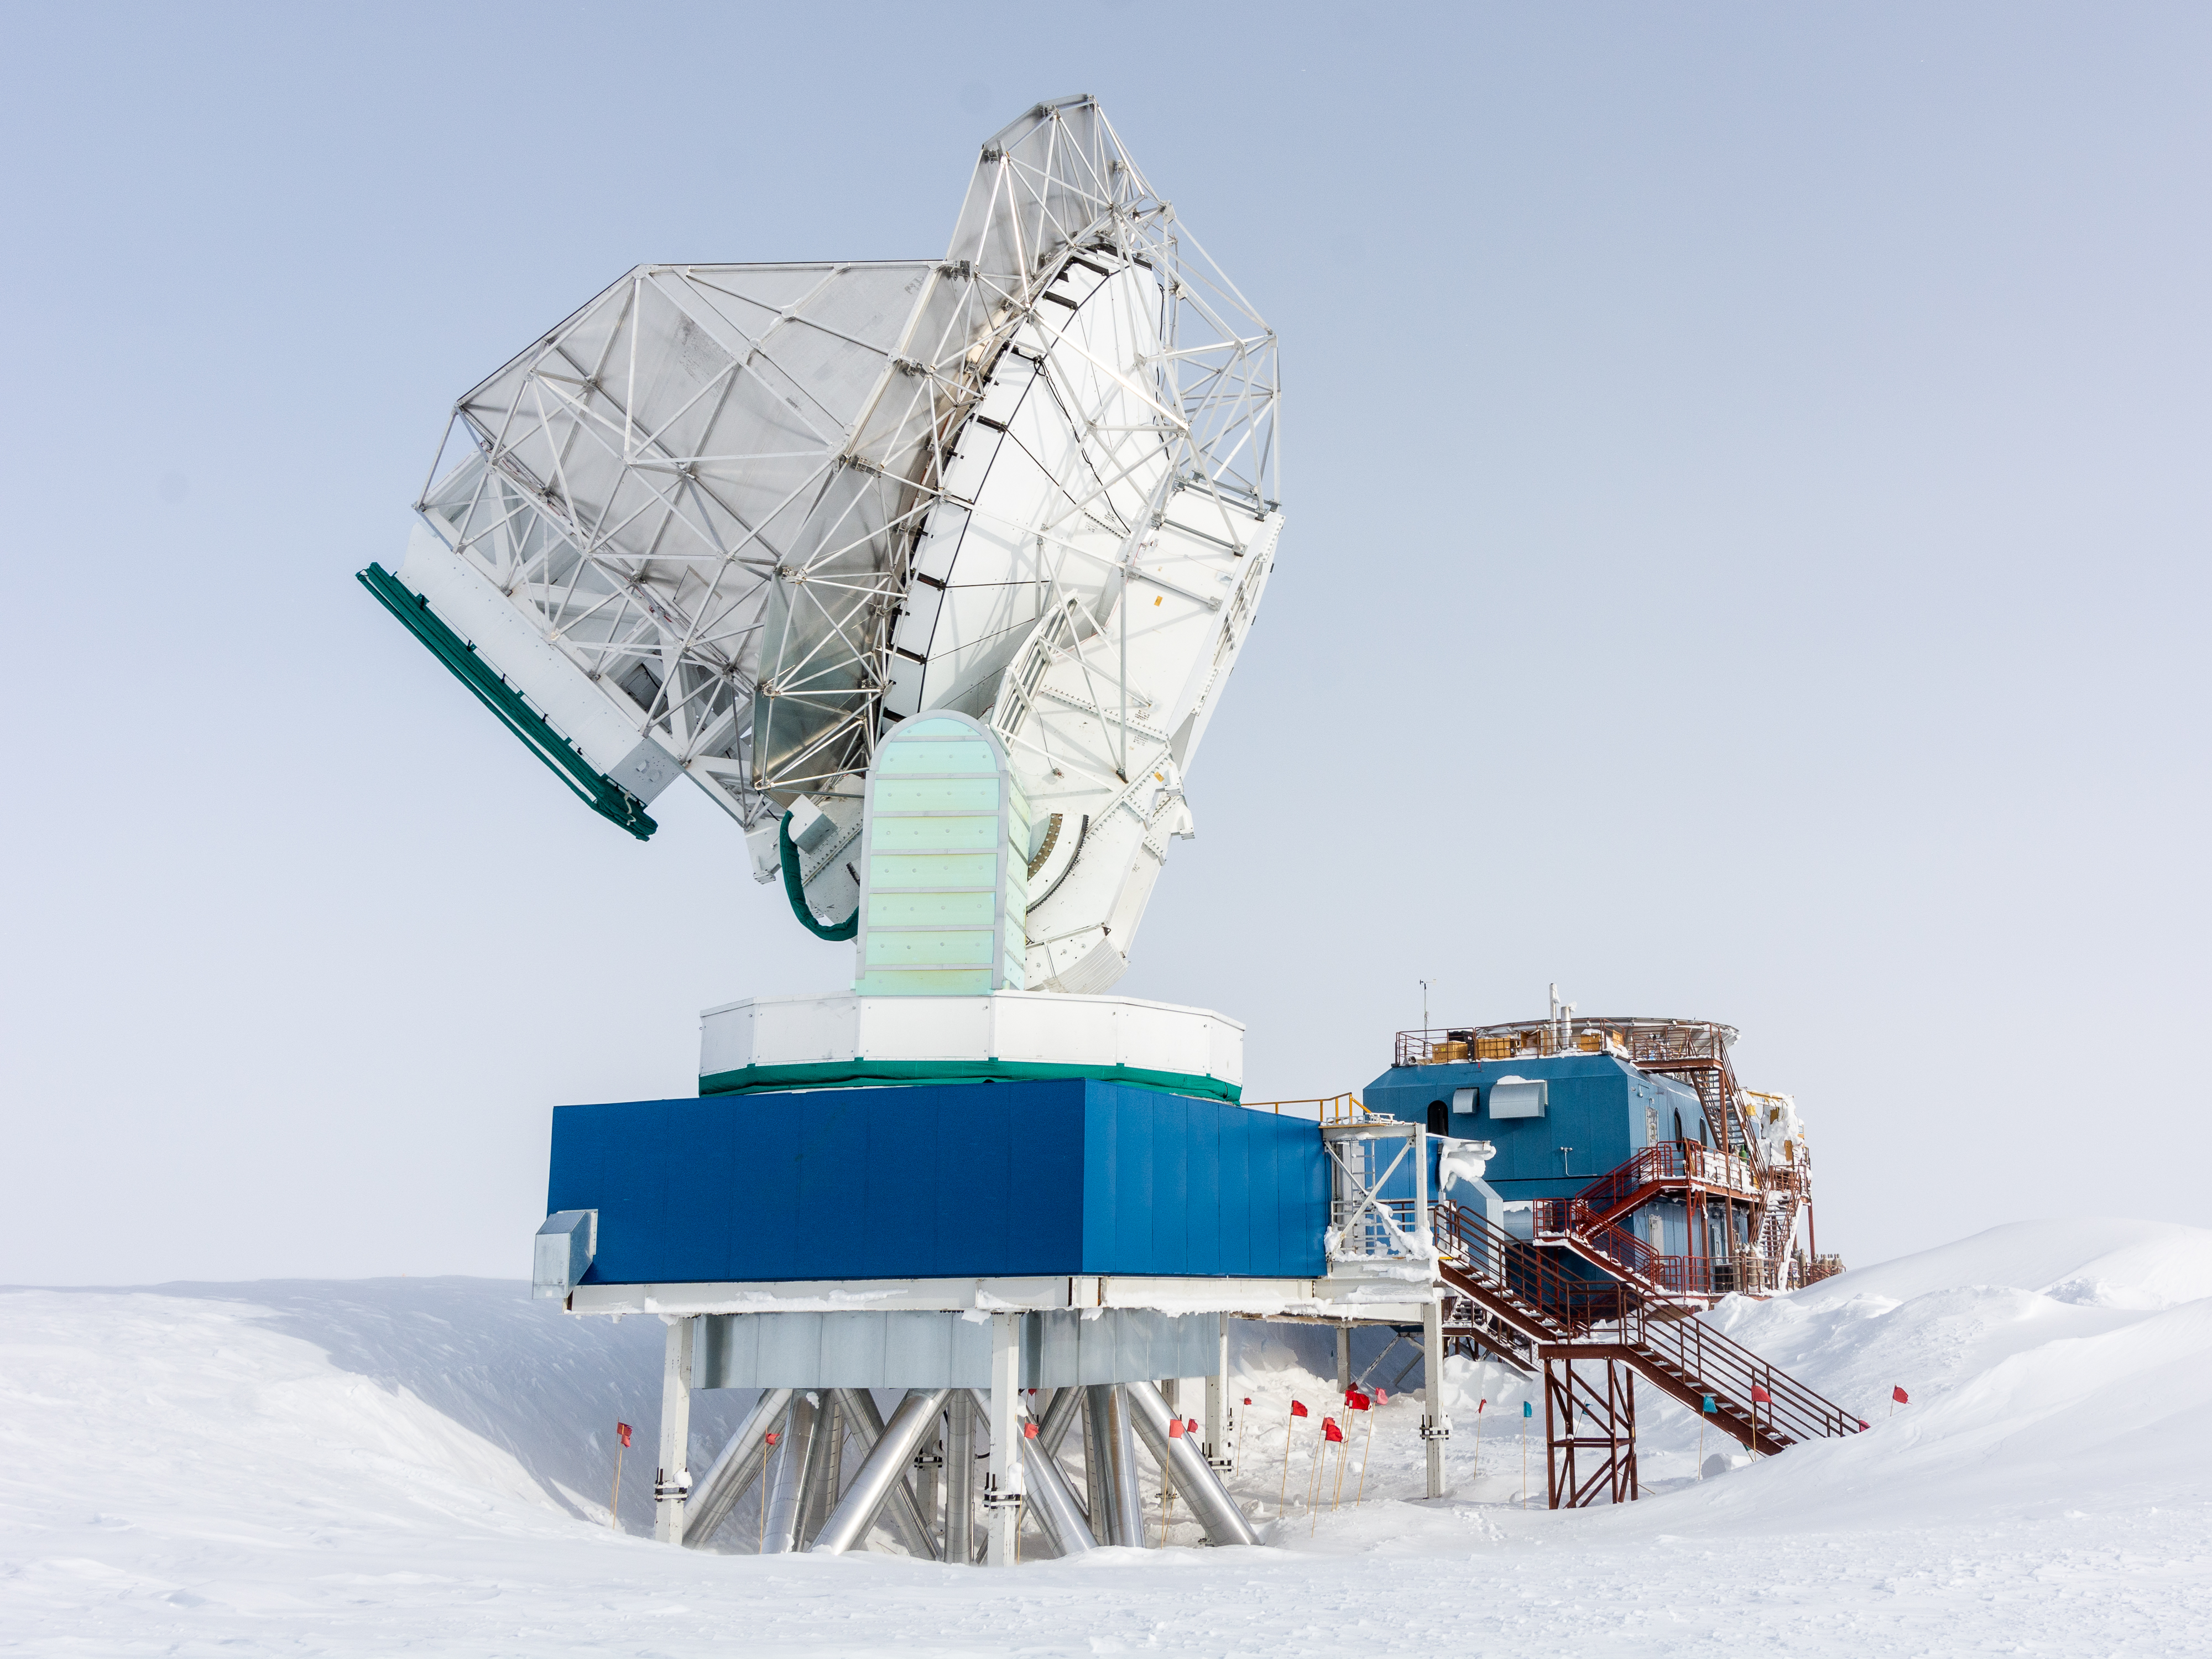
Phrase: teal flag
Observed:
(1710, 1405)
(1527, 1410)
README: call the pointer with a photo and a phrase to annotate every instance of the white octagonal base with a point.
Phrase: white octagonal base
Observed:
(846, 1041)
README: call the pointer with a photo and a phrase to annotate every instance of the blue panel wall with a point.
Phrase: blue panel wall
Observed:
(1597, 1109)
(941, 1181)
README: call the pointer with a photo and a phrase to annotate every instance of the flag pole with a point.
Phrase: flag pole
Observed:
(1312, 1475)
(1366, 1457)
(614, 1503)
(1283, 1499)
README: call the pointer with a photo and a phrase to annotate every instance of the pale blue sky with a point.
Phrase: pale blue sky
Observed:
(1747, 559)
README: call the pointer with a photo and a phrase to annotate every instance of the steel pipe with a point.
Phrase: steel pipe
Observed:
(1046, 1493)
(780, 1530)
(960, 1479)
(1193, 1476)
(1059, 1417)
(1124, 1521)
(736, 1469)
(821, 1469)
(883, 1474)
(858, 1408)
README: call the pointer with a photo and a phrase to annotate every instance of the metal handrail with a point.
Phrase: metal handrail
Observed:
(1667, 1333)
(1332, 1110)
(1664, 1162)
(1724, 1368)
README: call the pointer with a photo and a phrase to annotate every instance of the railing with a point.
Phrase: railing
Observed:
(1639, 1039)
(1333, 1110)
(1565, 1307)
(1669, 1162)
(1452, 1045)
(1559, 1301)
(1360, 1231)
(1715, 1365)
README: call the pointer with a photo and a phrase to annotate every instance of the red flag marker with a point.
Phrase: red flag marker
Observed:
(1330, 1431)
(1760, 1396)
(1298, 1409)
(1479, 1404)
(1029, 1431)
(1174, 1428)
(1356, 1401)
(614, 1502)
(1382, 1396)
(1190, 1425)
(1248, 1399)
(1899, 1396)
(773, 1437)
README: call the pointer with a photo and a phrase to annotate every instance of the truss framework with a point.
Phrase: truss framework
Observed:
(707, 487)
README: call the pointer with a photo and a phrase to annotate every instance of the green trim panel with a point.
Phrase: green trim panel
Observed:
(598, 791)
(794, 889)
(867, 1074)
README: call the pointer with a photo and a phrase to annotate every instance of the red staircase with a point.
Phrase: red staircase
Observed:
(1627, 1316)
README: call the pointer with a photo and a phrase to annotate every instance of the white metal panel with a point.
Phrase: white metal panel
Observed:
(1517, 1098)
(925, 1028)
(1041, 1027)
(726, 1038)
(466, 601)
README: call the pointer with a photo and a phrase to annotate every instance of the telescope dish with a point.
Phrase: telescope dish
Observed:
(740, 521)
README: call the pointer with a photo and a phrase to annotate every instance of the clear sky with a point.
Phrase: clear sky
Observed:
(1748, 498)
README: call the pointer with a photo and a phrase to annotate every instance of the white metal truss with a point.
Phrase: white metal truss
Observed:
(717, 490)
(1364, 1225)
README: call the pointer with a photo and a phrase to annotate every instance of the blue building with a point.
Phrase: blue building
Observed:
(1635, 1130)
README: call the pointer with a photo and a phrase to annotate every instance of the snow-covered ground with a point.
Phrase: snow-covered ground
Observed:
(420, 1466)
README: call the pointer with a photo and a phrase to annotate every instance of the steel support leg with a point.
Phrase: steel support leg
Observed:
(820, 1496)
(1002, 1490)
(928, 1478)
(1048, 1493)
(859, 1408)
(1194, 1477)
(741, 1463)
(1097, 1504)
(960, 1479)
(1436, 1422)
(1217, 1400)
(1059, 1417)
(786, 1490)
(881, 1479)
(671, 1481)
(1115, 1440)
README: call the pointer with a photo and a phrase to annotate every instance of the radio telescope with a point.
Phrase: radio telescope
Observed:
(740, 521)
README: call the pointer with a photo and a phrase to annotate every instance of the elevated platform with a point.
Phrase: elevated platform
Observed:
(843, 1041)
(1062, 1179)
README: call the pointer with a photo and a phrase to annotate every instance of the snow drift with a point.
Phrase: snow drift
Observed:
(364, 1467)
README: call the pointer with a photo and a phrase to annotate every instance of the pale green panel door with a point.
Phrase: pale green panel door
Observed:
(944, 864)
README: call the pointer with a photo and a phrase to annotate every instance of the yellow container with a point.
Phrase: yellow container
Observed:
(1591, 1042)
(1439, 1052)
(1493, 1047)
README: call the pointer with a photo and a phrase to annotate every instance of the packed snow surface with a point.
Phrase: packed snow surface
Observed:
(423, 1466)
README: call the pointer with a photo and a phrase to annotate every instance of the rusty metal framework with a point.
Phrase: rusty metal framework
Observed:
(1585, 1421)
(1737, 1179)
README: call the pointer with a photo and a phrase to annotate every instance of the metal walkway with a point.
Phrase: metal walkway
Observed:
(1537, 1310)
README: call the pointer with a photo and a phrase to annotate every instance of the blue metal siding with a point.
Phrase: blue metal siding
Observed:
(940, 1180)
(1591, 1107)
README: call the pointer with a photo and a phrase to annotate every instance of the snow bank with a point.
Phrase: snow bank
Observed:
(363, 1468)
